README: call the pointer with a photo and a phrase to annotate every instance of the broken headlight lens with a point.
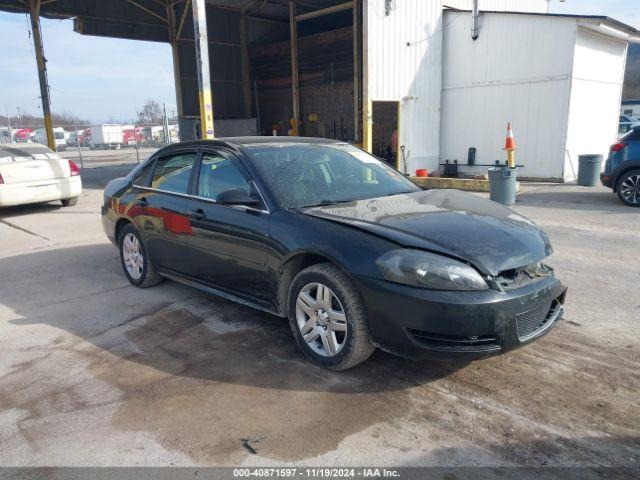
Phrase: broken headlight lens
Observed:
(427, 270)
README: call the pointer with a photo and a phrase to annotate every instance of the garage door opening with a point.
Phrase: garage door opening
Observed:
(385, 131)
(328, 87)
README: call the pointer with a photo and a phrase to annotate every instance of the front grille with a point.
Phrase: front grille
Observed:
(455, 342)
(536, 320)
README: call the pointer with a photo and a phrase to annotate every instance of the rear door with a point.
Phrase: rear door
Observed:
(33, 167)
(160, 209)
(230, 244)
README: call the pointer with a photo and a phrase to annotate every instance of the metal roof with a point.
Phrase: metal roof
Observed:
(154, 11)
(588, 20)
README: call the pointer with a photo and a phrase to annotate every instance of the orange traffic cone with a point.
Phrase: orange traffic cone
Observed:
(510, 144)
(510, 147)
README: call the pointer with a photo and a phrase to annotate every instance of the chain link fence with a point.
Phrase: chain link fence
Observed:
(106, 136)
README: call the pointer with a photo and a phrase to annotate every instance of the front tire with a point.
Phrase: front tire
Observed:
(137, 266)
(327, 318)
(69, 202)
(628, 188)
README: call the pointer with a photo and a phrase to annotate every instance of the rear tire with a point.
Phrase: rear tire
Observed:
(628, 188)
(137, 266)
(336, 335)
(69, 202)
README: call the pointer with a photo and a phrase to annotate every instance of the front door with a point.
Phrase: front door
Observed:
(229, 243)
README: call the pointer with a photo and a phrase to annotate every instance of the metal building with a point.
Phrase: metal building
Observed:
(557, 78)
(367, 71)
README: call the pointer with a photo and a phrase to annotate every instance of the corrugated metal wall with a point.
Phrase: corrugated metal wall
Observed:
(506, 76)
(404, 58)
(596, 89)
(404, 64)
(226, 71)
(539, 6)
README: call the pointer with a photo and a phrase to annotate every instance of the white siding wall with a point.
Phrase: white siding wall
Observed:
(518, 70)
(537, 6)
(404, 64)
(404, 57)
(598, 74)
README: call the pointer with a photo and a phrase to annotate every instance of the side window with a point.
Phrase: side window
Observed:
(217, 174)
(172, 173)
(142, 177)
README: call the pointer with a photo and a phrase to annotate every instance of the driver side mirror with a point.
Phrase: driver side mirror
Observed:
(237, 196)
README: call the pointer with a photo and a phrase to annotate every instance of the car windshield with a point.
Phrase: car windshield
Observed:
(307, 175)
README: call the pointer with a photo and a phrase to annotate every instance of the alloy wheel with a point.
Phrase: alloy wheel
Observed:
(630, 189)
(321, 319)
(132, 256)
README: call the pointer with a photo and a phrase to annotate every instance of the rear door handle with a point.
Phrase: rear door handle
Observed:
(142, 202)
(198, 214)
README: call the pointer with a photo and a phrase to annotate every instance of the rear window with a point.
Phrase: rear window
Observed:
(631, 136)
(15, 155)
(143, 176)
(172, 173)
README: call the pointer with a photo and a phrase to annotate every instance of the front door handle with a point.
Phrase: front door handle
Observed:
(142, 202)
(198, 214)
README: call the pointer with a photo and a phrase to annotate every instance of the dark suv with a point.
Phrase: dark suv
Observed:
(622, 169)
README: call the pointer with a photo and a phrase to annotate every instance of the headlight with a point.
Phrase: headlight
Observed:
(427, 270)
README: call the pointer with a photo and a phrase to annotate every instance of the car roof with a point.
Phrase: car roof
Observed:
(254, 140)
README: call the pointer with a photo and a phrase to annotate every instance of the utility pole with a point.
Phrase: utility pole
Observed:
(165, 124)
(9, 123)
(19, 117)
(34, 14)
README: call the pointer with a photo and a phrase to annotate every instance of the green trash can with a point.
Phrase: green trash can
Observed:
(589, 167)
(502, 185)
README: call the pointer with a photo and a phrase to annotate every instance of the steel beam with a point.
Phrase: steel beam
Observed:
(324, 11)
(173, 40)
(182, 19)
(295, 92)
(246, 68)
(145, 9)
(356, 74)
(34, 14)
(367, 108)
(204, 71)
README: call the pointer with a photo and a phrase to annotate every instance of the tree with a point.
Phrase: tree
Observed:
(151, 112)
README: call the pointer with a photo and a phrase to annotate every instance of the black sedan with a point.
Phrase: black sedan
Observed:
(351, 251)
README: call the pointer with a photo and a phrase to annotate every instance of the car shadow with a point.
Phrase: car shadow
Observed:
(28, 209)
(178, 330)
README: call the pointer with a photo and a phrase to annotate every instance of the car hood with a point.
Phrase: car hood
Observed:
(484, 233)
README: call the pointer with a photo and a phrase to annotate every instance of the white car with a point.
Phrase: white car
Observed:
(33, 173)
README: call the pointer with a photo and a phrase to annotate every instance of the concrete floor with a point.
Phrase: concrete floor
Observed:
(96, 372)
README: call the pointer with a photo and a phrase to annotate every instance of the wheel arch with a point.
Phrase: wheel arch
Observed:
(625, 168)
(120, 224)
(294, 264)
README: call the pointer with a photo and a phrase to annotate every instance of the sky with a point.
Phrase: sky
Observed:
(92, 77)
(104, 79)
